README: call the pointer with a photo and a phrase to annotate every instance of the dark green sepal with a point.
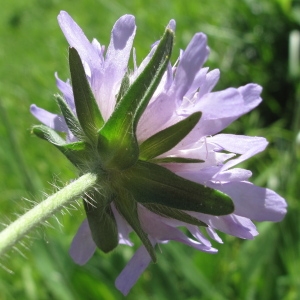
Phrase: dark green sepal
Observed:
(101, 222)
(174, 213)
(117, 139)
(123, 88)
(175, 159)
(76, 152)
(87, 110)
(151, 183)
(168, 138)
(71, 120)
(127, 207)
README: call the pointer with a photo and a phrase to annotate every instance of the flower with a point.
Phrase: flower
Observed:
(168, 149)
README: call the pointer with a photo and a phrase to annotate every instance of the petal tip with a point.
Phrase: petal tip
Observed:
(172, 25)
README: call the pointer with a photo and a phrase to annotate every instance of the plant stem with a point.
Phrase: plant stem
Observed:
(19, 228)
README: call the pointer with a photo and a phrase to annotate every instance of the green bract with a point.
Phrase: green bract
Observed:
(128, 172)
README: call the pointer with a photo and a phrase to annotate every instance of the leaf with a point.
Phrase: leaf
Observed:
(124, 87)
(71, 120)
(101, 221)
(151, 183)
(169, 212)
(168, 138)
(117, 139)
(76, 152)
(127, 207)
(87, 110)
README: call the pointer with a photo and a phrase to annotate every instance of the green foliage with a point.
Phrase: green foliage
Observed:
(151, 183)
(101, 222)
(249, 42)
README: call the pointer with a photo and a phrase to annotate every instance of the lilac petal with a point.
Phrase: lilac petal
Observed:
(235, 174)
(53, 121)
(163, 86)
(239, 144)
(155, 117)
(211, 80)
(83, 246)
(229, 224)
(253, 202)
(194, 230)
(213, 162)
(251, 94)
(190, 64)
(134, 60)
(77, 39)
(218, 105)
(67, 91)
(158, 229)
(198, 81)
(202, 176)
(133, 270)
(172, 25)
(71, 138)
(116, 61)
(219, 109)
(246, 145)
(210, 174)
(213, 235)
(99, 49)
(123, 227)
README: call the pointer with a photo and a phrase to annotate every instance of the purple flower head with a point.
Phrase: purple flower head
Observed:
(152, 135)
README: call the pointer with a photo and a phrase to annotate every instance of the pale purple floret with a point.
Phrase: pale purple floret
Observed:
(185, 88)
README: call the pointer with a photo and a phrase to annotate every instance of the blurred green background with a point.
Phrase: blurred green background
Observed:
(251, 41)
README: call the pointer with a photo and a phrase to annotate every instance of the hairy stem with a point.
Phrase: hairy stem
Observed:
(19, 228)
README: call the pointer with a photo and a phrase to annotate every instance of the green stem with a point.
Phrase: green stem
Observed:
(19, 228)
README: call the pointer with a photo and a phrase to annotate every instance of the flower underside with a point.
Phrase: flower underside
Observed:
(129, 171)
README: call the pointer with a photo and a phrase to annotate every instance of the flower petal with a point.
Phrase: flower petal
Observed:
(246, 145)
(190, 64)
(213, 235)
(235, 174)
(197, 83)
(239, 144)
(53, 121)
(115, 65)
(211, 80)
(83, 246)
(123, 227)
(133, 270)
(194, 230)
(253, 202)
(231, 224)
(157, 227)
(156, 116)
(67, 91)
(78, 40)
(251, 95)
(219, 109)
